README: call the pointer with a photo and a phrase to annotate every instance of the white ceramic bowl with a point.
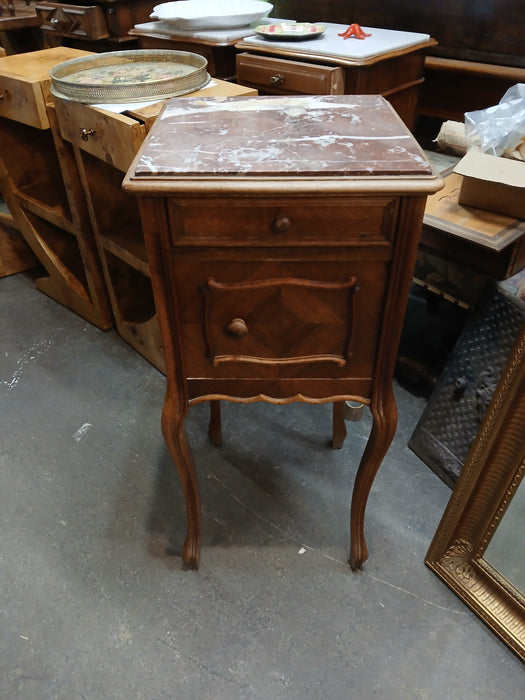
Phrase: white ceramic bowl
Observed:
(211, 14)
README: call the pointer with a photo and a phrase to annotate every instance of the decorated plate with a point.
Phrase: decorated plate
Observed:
(290, 31)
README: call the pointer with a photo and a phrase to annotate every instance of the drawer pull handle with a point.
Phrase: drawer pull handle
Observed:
(282, 223)
(86, 133)
(237, 328)
(277, 79)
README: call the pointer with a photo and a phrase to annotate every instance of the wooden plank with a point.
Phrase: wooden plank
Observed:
(15, 254)
(487, 229)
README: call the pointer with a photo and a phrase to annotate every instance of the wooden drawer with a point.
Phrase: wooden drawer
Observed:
(112, 138)
(73, 20)
(286, 317)
(23, 101)
(282, 77)
(239, 222)
(25, 82)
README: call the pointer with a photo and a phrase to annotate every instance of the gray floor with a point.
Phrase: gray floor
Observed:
(95, 602)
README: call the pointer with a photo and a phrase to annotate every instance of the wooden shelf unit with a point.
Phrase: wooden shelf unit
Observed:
(41, 185)
(102, 158)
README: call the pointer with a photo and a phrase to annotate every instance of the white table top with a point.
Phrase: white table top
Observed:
(169, 30)
(381, 41)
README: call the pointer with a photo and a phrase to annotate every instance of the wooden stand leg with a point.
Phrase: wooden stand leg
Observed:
(174, 432)
(384, 417)
(214, 427)
(339, 427)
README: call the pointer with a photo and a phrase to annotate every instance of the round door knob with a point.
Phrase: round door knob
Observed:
(282, 223)
(237, 328)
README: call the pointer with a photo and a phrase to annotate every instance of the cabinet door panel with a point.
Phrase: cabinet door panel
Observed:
(286, 318)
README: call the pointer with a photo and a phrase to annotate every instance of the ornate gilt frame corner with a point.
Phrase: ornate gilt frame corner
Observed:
(491, 475)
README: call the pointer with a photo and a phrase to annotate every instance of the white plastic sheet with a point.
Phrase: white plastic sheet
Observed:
(500, 130)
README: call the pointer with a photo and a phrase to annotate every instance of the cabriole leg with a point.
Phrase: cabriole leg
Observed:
(174, 432)
(384, 417)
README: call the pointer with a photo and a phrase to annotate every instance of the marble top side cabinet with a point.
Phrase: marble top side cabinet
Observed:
(281, 234)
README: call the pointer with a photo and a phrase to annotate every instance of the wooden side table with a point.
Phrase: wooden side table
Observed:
(281, 235)
(331, 65)
(217, 46)
(41, 186)
(104, 144)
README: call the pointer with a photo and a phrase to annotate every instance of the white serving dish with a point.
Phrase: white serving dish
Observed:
(210, 14)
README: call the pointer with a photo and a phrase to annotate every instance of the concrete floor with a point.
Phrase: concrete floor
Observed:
(95, 602)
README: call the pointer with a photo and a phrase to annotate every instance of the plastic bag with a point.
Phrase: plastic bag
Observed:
(500, 130)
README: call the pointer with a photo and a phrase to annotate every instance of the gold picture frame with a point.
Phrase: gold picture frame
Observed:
(487, 484)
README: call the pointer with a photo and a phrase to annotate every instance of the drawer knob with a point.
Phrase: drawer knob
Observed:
(277, 79)
(2, 94)
(282, 223)
(237, 328)
(86, 133)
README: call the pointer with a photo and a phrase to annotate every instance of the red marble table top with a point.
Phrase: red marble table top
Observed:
(327, 136)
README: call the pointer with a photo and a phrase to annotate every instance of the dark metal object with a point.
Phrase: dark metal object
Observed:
(450, 421)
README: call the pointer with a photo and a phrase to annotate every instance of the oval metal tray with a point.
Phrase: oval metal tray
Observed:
(129, 76)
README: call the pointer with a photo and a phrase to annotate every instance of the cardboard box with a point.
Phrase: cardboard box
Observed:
(492, 183)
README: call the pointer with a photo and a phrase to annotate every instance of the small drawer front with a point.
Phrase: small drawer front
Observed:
(73, 20)
(282, 77)
(23, 101)
(286, 222)
(286, 318)
(113, 138)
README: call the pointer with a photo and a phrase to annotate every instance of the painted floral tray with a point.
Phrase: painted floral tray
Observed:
(129, 76)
